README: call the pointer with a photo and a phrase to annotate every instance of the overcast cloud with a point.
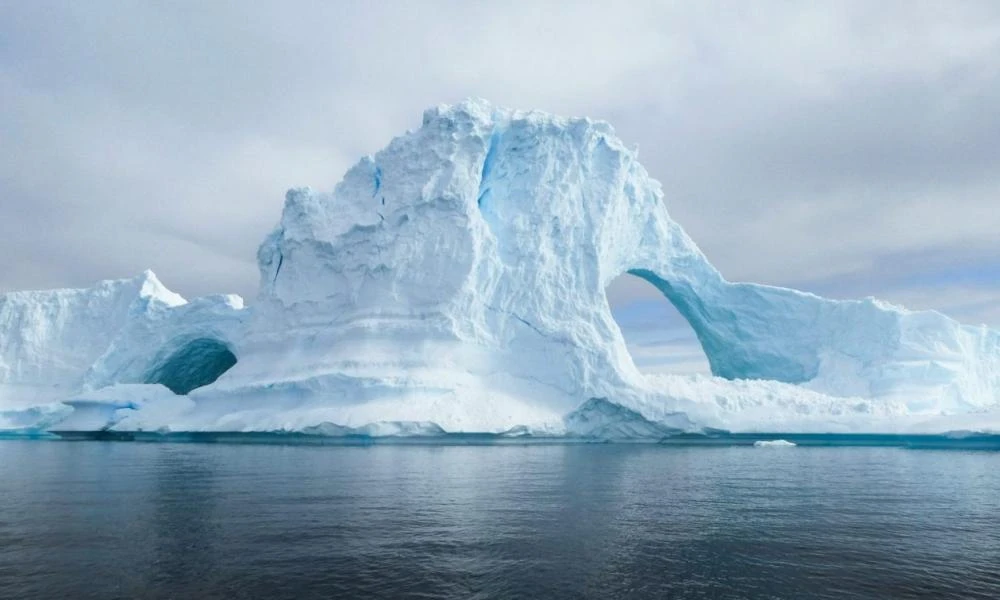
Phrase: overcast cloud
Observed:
(850, 150)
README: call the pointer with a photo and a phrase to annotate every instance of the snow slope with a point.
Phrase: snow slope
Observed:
(455, 282)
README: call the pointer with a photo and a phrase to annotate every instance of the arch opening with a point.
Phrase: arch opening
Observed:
(658, 337)
(197, 363)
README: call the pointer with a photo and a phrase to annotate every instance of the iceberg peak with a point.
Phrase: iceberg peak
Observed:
(151, 287)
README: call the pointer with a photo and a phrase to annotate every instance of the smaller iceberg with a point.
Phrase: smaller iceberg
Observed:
(773, 444)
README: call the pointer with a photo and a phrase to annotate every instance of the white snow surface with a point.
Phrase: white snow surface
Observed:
(454, 282)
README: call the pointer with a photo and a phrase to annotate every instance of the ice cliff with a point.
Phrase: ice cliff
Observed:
(454, 282)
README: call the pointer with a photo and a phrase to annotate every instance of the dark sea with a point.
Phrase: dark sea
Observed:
(146, 520)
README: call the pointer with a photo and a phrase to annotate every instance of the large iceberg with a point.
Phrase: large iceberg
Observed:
(455, 282)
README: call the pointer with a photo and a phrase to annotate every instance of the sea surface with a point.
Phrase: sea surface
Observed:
(147, 520)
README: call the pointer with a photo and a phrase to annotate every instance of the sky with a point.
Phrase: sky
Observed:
(850, 149)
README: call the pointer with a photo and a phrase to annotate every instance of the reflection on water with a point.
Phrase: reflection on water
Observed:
(184, 528)
(106, 520)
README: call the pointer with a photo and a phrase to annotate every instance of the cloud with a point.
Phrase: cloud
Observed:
(852, 148)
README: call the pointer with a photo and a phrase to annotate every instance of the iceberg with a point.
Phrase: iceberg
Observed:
(454, 283)
(773, 444)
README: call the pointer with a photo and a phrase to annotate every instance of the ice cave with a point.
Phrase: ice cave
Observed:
(194, 364)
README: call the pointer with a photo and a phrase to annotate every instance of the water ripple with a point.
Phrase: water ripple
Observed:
(116, 520)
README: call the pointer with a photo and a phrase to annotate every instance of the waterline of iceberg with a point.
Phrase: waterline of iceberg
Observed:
(949, 441)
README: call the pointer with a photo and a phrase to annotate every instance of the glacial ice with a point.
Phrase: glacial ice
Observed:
(454, 283)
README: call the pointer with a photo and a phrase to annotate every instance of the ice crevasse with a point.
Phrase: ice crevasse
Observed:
(454, 282)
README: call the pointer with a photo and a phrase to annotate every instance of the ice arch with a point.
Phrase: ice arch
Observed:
(458, 276)
(196, 363)
(742, 329)
(658, 337)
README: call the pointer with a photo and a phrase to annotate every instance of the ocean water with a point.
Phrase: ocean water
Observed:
(138, 520)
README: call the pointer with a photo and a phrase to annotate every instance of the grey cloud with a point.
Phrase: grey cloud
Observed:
(811, 146)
